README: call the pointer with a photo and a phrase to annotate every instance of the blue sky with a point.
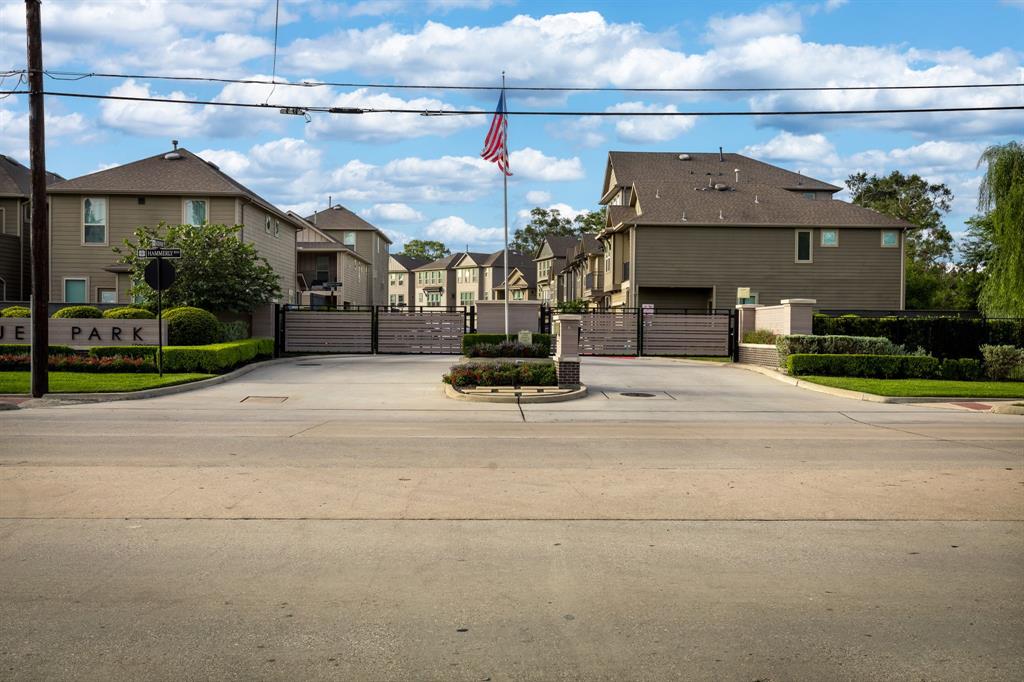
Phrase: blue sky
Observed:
(420, 176)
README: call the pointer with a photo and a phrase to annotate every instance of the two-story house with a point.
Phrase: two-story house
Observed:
(435, 282)
(463, 278)
(329, 272)
(521, 275)
(347, 228)
(91, 214)
(581, 276)
(700, 230)
(402, 279)
(550, 260)
(15, 228)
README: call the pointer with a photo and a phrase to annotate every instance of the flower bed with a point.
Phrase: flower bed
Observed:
(80, 363)
(502, 374)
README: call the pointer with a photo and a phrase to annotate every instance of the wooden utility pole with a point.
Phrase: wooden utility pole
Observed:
(40, 234)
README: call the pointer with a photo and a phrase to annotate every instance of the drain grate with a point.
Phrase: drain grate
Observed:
(264, 399)
(637, 395)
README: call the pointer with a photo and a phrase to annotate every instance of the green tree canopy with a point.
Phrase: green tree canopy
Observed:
(546, 223)
(217, 271)
(423, 249)
(1001, 196)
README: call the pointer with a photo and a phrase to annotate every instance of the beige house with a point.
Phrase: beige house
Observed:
(15, 228)
(402, 279)
(463, 278)
(581, 278)
(348, 229)
(695, 230)
(550, 260)
(91, 214)
(435, 283)
(329, 272)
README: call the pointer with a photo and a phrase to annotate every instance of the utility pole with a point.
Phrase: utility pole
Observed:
(40, 234)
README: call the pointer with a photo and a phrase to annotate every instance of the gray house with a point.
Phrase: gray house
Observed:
(348, 229)
(696, 230)
(402, 279)
(15, 228)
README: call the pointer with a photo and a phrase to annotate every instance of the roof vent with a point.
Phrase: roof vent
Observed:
(720, 217)
(685, 157)
(174, 143)
(721, 186)
(173, 156)
(737, 172)
(684, 216)
(756, 200)
(337, 208)
(657, 193)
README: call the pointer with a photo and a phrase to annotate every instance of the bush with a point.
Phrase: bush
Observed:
(16, 311)
(234, 331)
(1002, 362)
(128, 313)
(508, 349)
(502, 374)
(760, 336)
(80, 363)
(187, 326)
(867, 366)
(470, 340)
(216, 358)
(148, 352)
(835, 345)
(964, 369)
(578, 305)
(26, 349)
(78, 312)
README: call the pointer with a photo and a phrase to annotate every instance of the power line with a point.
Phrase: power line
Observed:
(525, 88)
(301, 110)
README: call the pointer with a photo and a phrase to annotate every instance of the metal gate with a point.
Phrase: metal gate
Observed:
(425, 331)
(311, 330)
(609, 332)
(630, 332)
(372, 329)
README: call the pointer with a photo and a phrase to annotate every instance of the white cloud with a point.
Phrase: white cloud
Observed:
(565, 210)
(644, 129)
(392, 213)
(287, 168)
(387, 127)
(743, 27)
(538, 197)
(786, 146)
(532, 164)
(584, 131)
(14, 131)
(456, 230)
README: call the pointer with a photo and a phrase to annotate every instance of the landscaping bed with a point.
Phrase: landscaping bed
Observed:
(502, 374)
(924, 388)
(81, 382)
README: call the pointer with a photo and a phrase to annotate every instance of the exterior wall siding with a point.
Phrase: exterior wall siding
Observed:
(14, 253)
(859, 273)
(279, 250)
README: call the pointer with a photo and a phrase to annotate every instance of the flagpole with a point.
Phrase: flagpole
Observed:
(504, 177)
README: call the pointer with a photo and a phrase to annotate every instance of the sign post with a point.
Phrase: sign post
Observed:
(160, 274)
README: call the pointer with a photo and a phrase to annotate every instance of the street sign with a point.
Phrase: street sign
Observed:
(160, 274)
(159, 253)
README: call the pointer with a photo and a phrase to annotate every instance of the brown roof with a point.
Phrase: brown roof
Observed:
(407, 262)
(559, 245)
(177, 172)
(338, 217)
(16, 178)
(441, 263)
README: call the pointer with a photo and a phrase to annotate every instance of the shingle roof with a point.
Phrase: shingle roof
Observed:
(16, 178)
(515, 260)
(559, 244)
(338, 217)
(441, 263)
(408, 262)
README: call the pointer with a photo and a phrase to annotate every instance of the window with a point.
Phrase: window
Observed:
(348, 238)
(890, 239)
(76, 291)
(518, 295)
(401, 299)
(4, 227)
(391, 279)
(106, 295)
(466, 298)
(803, 246)
(401, 279)
(94, 221)
(266, 224)
(810, 195)
(323, 268)
(830, 237)
(393, 299)
(419, 297)
(740, 300)
(277, 228)
(433, 298)
(195, 212)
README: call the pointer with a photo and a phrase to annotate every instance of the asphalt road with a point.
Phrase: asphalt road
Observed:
(364, 527)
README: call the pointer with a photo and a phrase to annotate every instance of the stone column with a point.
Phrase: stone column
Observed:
(567, 350)
(800, 315)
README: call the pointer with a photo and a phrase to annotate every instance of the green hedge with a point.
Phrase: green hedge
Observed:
(78, 312)
(760, 336)
(16, 311)
(502, 374)
(470, 340)
(128, 313)
(943, 337)
(188, 326)
(868, 366)
(963, 369)
(25, 349)
(835, 345)
(216, 358)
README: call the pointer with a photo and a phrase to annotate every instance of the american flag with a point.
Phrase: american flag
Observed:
(496, 142)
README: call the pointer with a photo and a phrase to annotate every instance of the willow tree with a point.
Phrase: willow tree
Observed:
(1001, 197)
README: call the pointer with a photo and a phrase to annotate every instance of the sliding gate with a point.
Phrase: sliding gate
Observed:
(631, 331)
(372, 329)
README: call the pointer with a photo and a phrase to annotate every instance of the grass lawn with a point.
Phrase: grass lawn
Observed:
(924, 387)
(84, 382)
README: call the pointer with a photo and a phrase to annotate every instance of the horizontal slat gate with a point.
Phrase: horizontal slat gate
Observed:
(692, 334)
(608, 333)
(425, 331)
(308, 331)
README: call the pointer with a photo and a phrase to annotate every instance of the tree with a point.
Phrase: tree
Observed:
(546, 223)
(217, 271)
(929, 244)
(423, 249)
(1001, 196)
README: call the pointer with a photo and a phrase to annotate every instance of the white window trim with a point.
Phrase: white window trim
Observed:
(99, 299)
(881, 239)
(64, 289)
(346, 232)
(184, 209)
(106, 225)
(277, 228)
(266, 224)
(796, 246)
(821, 240)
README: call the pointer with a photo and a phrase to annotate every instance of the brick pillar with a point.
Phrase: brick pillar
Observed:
(800, 315)
(567, 350)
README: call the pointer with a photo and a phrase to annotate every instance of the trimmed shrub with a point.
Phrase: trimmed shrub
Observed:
(1002, 362)
(128, 313)
(26, 349)
(835, 345)
(80, 363)
(147, 352)
(963, 369)
(502, 374)
(16, 311)
(234, 331)
(760, 336)
(187, 326)
(508, 349)
(216, 358)
(78, 312)
(867, 366)
(470, 340)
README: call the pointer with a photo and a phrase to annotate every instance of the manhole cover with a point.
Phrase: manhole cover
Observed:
(264, 399)
(638, 395)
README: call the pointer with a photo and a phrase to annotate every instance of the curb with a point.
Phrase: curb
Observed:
(1008, 408)
(856, 395)
(57, 399)
(455, 394)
